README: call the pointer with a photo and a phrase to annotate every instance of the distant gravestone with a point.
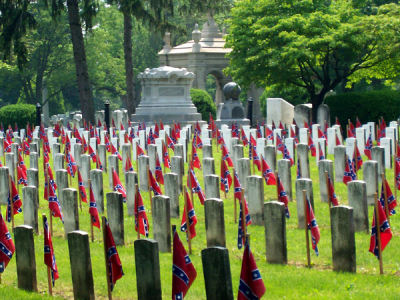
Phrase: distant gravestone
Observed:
(302, 112)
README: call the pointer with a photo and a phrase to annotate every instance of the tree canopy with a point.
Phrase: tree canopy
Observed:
(314, 45)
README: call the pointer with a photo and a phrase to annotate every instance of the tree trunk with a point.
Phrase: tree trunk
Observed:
(130, 80)
(82, 74)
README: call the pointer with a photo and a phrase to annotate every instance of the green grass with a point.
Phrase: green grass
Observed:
(292, 281)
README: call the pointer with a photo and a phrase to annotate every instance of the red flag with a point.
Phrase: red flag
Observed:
(321, 154)
(338, 142)
(195, 158)
(161, 125)
(352, 129)
(259, 134)
(93, 209)
(183, 271)
(226, 178)
(270, 134)
(332, 193)
(283, 197)
(158, 172)
(174, 137)
(98, 123)
(385, 232)
(359, 158)
(166, 159)
(16, 200)
(8, 248)
(321, 134)
(283, 128)
(170, 142)
(156, 131)
(82, 189)
(71, 165)
(139, 150)
(154, 185)
(197, 141)
(391, 200)
(251, 285)
(195, 185)
(311, 146)
(234, 130)
(255, 157)
(349, 174)
(397, 173)
(244, 138)
(305, 124)
(225, 156)
(114, 263)
(294, 136)
(118, 186)
(122, 127)
(54, 204)
(349, 133)
(84, 144)
(114, 151)
(220, 139)
(358, 123)
(140, 216)
(368, 148)
(7, 146)
(313, 226)
(268, 175)
(49, 257)
(192, 218)
(107, 143)
(128, 165)
(22, 178)
(92, 154)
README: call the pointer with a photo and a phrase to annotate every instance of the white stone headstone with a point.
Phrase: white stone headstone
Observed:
(35, 135)
(338, 133)
(114, 141)
(386, 144)
(162, 134)
(331, 140)
(183, 142)
(367, 129)
(69, 133)
(167, 129)
(303, 136)
(206, 141)
(102, 136)
(391, 133)
(142, 138)
(93, 143)
(183, 134)
(159, 149)
(205, 134)
(350, 143)
(227, 135)
(372, 129)
(260, 146)
(85, 134)
(314, 135)
(224, 126)
(122, 137)
(134, 141)
(73, 142)
(360, 136)
(279, 110)
(289, 142)
(276, 132)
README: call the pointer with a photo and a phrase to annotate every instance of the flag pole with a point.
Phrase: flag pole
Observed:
(189, 236)
(190, 166)
(378, 233)
(79, 192)
(149, 188)
(306, 228)
(48, 198)
(234, 200)
(137, 210)
(385, 197)
(243, 213)
(11, 202)
(328, 190)
(49, 281)
(91, 219)
(103, 221)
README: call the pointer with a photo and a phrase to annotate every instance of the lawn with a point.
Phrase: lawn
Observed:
(292, 281)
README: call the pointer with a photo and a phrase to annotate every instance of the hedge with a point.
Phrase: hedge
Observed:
(367, 106)
(20, 113)
(204, 103)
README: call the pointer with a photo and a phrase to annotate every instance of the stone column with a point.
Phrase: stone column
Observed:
(357, 194)
(25, 258)
(30, 207)
(78, 152)
(217, 273)
(143, 163)
(215, 222)
(170, 184)
(285, 174)
(148, 279)
(62, 183)
(58, 161)
(115, 216)
(130, 180)
(270, 156)
(81, 265)
(212, 186)
(14, 150)
(177, 168)
(96, 177)
(238, 153)
(152, 150)
(303, 184)
(378, 154)
(10, 164)
(113, 162)
(162, 223)
(255, 198)
(324, 165)
(370, 176)
(339, 154)
(208, 166)
(179, 151)
(302, 152)
(343, 239)
(243, 171)
(56, 149)
(4, 187)
(33, 147)
(275, 232)
(70, 210)
(102, 151)
(34, 160)
(85, 169)
(207, 151)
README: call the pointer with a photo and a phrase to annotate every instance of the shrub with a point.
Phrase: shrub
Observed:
(20, 113)
(367, 106)
(203, 101)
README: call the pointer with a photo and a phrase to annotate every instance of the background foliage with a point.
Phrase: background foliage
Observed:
(204, 103)
(20, 113)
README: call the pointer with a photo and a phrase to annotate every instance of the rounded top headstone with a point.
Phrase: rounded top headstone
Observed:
(232, 91)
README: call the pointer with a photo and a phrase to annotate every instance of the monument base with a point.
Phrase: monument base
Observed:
(183, 119)
(229, 122)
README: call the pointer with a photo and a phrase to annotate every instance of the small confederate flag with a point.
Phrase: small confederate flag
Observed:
(359, 158)
(7, 146)
(259, 133)
(350, 133)
(385, 232)
(7, 245)
(286, 155)
(270, 134)
(173, 137)
(280, 144)
(183, 271)
(226, 157)
(166, 160)
(92, 154)
(349, 174)
(170, 142)
(150, 139)
(197, 141)
(128, 165)
(115, 152)
(22, 177)
(392, 203)
(241, 237)
(156, 131)
(27, 148)
(118, 186)
(93, 209)
(256, 158)
(220, 139)
(195, 185)
(311, 146)
(352, 129)
(332, 193)
(358, 123)
(368, 147)
(283, 128)
(397, 174)
(158, 172)
(54, 204)
(294, 136)
(82, 189)
(338, 142)
(226, 178)
(49, 257)
(282, 197)
(71, 165)
(139, 150)
(192, 218)
(313, 226)
(85, 144)
(114, 263)
(244, 138)
(195, 158)
(321, 154)
(251, 285)
(154, 185)
(268, 175)
(140, 216)
(17, 203)
(107, 143)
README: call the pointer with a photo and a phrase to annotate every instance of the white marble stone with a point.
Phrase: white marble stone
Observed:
(260, 146)
(183, 142)
(338, 132)
(360, 136)
(314, 131)
(386, 144)
(289, 142)
(134, 141)
(391, 133)
(372, 129)
(303, 136)
(331, 139)
(350, 143)
(279, 110)
(142, 138)
(206, 141)
(159, 149)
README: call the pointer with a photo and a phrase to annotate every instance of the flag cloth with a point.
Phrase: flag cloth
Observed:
(280, 144)
(226, 157)
(158, 172)
(254, 156)
(244, 138)
(311, 146)
(156, 131)
(234, 133)
(27, 148)
(313, 226)
(166, 160)
(251, 285)
(226, 178)
(7, 146)
(286, 155)
(114, 263)
(332, 193)
(282, 128)
(268, 175)
(22, 177)
(71, 165)
(195, 158)
(385, 232)
(321, 154)
(49, 257)
(338, 142)
(82, 189)
(358, 123)
(270, 134)
(192, 217)
(241, 237)
(139, 150)
(183, 271)
(173, 137)
(195, 185)
(107, 143)
(93, 209)
(259, 133)
(197, 141)
(170, 142)
(294, 136)
(359, 158)
(84, 144)
(92, 154)
(7, 248)
(368, 148)
(298, 173)
(114, 151)
(154, 185)
(392, 203)
(128, 165)
(352, 129)
(54, 204)
(140, 216)
(150, 139)
(118, 186)
(397, 173)
(283, 197)
(321, 134)
(350, 133)
(349, 174)
(16, 200)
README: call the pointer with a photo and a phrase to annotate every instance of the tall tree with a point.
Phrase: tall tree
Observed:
(314, 45)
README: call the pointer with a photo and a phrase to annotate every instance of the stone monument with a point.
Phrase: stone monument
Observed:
(166, 96)
(279, 110)
(232, 109)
